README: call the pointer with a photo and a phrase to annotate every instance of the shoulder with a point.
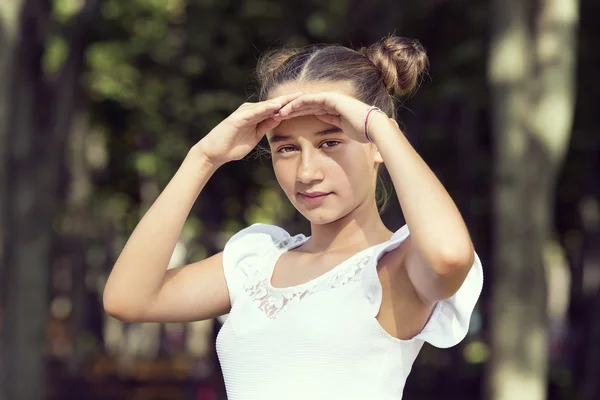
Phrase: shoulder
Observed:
(245, 252)
(450, 320)
(443, 324)
(259, 233)
(256, 240)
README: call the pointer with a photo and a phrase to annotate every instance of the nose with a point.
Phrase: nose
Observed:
(310, 169)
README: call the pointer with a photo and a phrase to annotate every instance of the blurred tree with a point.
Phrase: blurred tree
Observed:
(160, 74)
(589, 348)
(75, 233)
(37, 108)
(578, 208)
(531, 72)
(9, 36)
(9, 15)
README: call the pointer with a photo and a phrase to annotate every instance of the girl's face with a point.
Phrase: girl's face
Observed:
(324, 173)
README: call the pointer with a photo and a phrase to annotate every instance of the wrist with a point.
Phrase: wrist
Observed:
(380, 126)
(200, 160)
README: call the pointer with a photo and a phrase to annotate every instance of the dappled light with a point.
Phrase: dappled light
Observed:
(102, 101)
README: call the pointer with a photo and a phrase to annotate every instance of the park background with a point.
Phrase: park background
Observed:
(101, 99)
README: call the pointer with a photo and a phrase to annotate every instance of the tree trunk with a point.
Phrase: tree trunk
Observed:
(27, 247)
(9, 17)
(588, 344)
(591, 383)
(10, 12)
(79, 214)
(531, 72)
(39, 113)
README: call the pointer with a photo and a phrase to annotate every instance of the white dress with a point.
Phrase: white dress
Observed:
(321, 339)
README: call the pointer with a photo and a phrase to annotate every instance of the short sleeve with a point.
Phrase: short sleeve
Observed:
(449, 322)
(254, 241)
(450, 319)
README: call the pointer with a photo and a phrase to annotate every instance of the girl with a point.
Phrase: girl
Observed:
(339, 314)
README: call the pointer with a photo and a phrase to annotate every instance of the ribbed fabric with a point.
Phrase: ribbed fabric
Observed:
(320, 339)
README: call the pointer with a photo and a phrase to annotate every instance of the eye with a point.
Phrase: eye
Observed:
(330, 143)
(285, 149)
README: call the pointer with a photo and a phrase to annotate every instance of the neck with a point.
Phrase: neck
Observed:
(362, 227)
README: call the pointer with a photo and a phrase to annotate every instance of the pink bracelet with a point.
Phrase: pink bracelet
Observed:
(371, 109)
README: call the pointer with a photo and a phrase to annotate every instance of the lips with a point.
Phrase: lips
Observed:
(314, 197)
(315, 194)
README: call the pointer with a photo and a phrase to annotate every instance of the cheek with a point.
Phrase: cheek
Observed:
(358, 167)
(355, 179)
(285, 176)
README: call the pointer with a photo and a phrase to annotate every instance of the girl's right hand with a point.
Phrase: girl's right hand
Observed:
(239, 133)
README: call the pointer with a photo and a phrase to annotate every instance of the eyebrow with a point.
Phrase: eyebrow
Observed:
(282, 138)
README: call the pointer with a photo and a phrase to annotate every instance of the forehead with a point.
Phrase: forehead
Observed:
(345, 87)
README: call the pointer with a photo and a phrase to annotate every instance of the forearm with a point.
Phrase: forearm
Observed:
(140, 268)
(437, 228)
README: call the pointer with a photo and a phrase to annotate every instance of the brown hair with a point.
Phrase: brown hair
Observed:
(379, 73)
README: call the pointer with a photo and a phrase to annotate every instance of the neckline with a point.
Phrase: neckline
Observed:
(295, 243)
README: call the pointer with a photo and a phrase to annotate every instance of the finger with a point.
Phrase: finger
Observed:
(323, 100)
(262, 107)
(286, 98)
(283, 99)
(260, 112)
(334, 120)
(257, 112)
(296, 104)
(300, 112)
(265, 126)
(329, 102)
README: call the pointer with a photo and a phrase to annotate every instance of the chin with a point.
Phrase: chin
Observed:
(322, 216)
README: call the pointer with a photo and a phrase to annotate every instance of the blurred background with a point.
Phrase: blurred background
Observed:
(101, 99)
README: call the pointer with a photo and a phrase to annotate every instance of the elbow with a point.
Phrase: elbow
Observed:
(111, 307)
(119, 309)
(455, 259)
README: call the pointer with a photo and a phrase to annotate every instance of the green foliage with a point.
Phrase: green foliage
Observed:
(160, 74)
(317, 25)
(111, 76)
(165, 73)
(55, 54)
(64, 10)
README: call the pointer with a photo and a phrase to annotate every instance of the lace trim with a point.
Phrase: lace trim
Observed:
(273, 300)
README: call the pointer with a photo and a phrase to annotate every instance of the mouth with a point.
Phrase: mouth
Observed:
(314, 197)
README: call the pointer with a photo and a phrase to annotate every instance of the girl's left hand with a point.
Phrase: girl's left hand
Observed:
(334, 108)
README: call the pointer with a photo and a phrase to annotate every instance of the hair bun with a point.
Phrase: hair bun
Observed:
(271, 62)
(401, 62)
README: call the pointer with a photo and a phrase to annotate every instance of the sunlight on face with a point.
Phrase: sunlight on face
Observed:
(324, 173)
